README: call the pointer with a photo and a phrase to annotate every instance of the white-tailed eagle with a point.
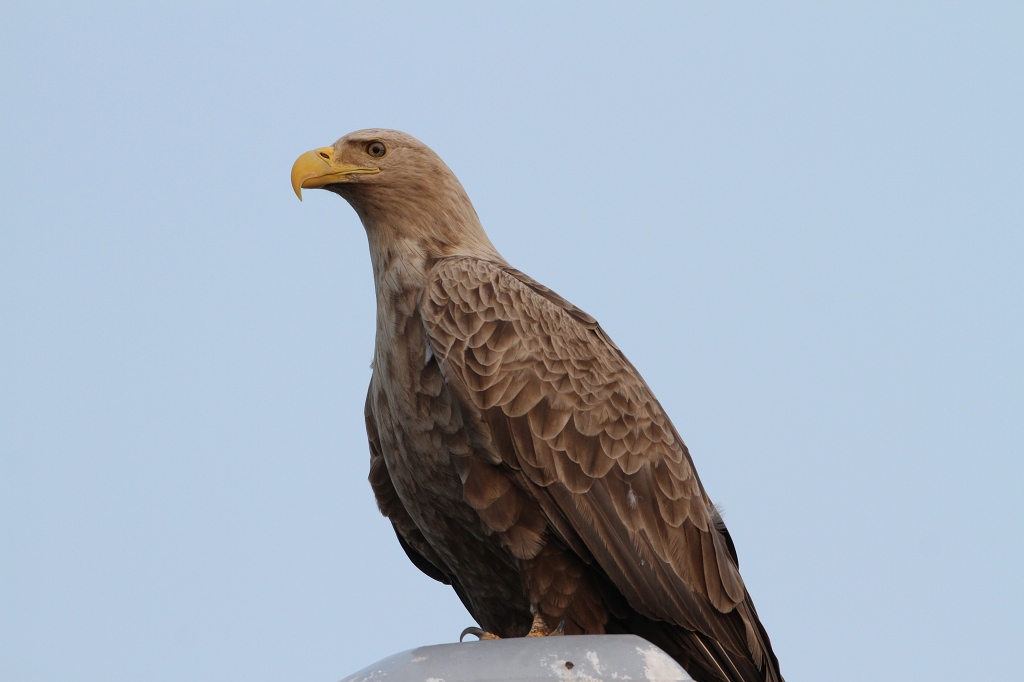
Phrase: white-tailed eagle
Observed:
(520, 456)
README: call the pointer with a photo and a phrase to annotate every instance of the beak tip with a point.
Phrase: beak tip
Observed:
(312, 169)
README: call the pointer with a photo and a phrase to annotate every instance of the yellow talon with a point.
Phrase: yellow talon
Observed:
(540, 628)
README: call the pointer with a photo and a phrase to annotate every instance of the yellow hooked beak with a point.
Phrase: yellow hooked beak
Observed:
(320, 167)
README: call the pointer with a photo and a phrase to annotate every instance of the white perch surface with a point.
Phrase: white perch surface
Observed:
(583, 658)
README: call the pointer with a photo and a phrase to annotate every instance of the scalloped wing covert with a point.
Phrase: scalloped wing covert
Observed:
(581, 432)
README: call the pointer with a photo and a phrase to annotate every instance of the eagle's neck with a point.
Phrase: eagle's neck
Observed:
(400, 270)
(408, 231)
(403, 251)
(399, 266)
(418, 220)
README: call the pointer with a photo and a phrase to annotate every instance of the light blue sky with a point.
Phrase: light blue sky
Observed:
(804, 224)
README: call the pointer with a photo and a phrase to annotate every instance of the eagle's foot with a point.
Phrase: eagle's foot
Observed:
(540, 628)
(478, 633)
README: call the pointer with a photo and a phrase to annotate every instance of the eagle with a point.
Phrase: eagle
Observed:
(520, 457)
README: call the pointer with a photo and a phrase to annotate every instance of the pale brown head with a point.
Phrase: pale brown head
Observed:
(399, 188)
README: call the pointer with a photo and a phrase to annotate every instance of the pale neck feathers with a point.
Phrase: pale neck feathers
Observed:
(417, 213)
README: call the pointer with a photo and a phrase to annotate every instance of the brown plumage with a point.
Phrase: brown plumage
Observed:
(519, 455)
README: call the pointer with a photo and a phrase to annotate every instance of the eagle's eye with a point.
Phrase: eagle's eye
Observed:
(376, 148)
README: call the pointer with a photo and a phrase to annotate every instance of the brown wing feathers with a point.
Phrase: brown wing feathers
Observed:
(591, 452)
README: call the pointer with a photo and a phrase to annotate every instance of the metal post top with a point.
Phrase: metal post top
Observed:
(582, 658)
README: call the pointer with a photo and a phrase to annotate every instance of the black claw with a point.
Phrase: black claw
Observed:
(476, 632)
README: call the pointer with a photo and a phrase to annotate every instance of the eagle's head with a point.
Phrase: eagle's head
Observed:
(399, 187)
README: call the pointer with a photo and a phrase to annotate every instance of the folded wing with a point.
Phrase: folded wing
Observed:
(584, 435)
